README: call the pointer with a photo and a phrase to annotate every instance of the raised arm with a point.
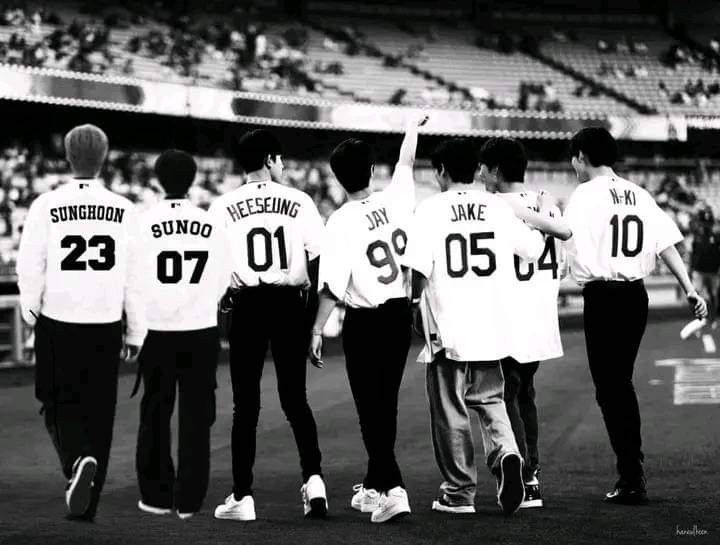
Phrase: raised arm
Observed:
(409, 144)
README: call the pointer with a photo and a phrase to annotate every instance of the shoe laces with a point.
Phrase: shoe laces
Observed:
(357, 487)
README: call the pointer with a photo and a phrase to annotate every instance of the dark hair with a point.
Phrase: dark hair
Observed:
(508, 155)
(176, 171)
(597, 144)
(459, 159)
(351, 162)
(254, 147)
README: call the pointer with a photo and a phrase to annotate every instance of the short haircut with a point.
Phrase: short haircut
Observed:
(176, 171)
(86, 148)
(351, 162)
(459, 158)
(597, 144)
(254, 147)
(508, 155)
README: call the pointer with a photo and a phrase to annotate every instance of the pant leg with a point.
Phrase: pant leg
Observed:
(612, 340)
(248, 344)
(528, 413)
(513, 384)
(289, 349)
(451, 430)
(153, 460)
(196, 411)
(485, 395)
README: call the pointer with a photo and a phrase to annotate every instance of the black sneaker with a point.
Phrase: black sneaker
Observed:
(533, 496)
(443, 506)
(511, 490)
(77, 493)
(627, 494)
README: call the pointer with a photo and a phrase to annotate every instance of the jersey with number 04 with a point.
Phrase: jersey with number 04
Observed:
(463, 242)
(535, 325)
(187, 266)
(362, 257)
(271, 228)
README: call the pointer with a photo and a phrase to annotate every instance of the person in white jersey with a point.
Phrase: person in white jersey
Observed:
(187, 266)
(361, 266)
(78, 270)
(535, 328)
(460, 246)
(618, 230)
(275, 234)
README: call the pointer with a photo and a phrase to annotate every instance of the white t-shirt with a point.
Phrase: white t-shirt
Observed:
(187, 266)
(537, 282)
(270, 228)
(618, 230)
(79, 260)
(463, 242)
(362, 256)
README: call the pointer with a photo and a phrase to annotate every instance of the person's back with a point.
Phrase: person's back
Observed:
(468, 240)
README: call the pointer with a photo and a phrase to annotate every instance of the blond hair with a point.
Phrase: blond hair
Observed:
(86, 148)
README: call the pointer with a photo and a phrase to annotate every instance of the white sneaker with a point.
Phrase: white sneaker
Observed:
(709, 344)
(444, 507)
(153, 510)
(314, 497)
(185, 516)
(77, 494)
(692, 328)
(365, 500)
(236, 510)
(393, 505)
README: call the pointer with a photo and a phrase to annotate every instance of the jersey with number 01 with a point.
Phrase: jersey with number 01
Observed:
(618, 230)
(463, 242)
(187, 263)
(273, 230)
(362, 257)
(537, 282)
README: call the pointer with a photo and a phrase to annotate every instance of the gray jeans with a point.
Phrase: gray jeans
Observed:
(454, 387)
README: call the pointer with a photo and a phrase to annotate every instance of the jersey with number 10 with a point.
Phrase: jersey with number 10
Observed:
(187, 265)
(271, 227)
(362, 258)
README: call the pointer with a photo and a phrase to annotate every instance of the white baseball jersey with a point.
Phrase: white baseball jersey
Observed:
(79, 259)
(187, 266)
(463, 242)
(270, 228)
(618, 230)
(361, 261)
(536, 331)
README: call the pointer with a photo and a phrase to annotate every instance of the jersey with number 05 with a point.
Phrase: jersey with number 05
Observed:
(537, 282)
(362, 257)
(463, 242)
(79, 259)
(271, 227)
(187, 266)
(618, 230)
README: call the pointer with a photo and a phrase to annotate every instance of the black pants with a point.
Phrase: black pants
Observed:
(182, 361)
(376, 343)
(522, 411)
(275, 316)
(76, 378)
(615, 317)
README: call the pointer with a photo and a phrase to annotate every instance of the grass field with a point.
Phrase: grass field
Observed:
(681, 443)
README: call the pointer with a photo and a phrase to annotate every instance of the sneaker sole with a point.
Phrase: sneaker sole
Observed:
(528, 504)
(512, 488)
(461, 509)
(151, 510)
(397, 516)
(222, 516)
(78, 498)
(363, 508)
(318, 509)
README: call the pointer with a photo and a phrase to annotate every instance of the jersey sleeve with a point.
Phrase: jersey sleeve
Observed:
(335, 259)
(527, 243)
(402, 188)
(419, 249)
(134, 281)
(667, 232)
(313, 228)
(224, 257)
(31, 262)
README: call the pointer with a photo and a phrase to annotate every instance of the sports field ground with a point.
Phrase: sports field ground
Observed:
(682, 447)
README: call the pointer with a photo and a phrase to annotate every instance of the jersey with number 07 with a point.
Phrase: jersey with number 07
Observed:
(273, 231)
(362, 256)
(535, 326)
(186, 263)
